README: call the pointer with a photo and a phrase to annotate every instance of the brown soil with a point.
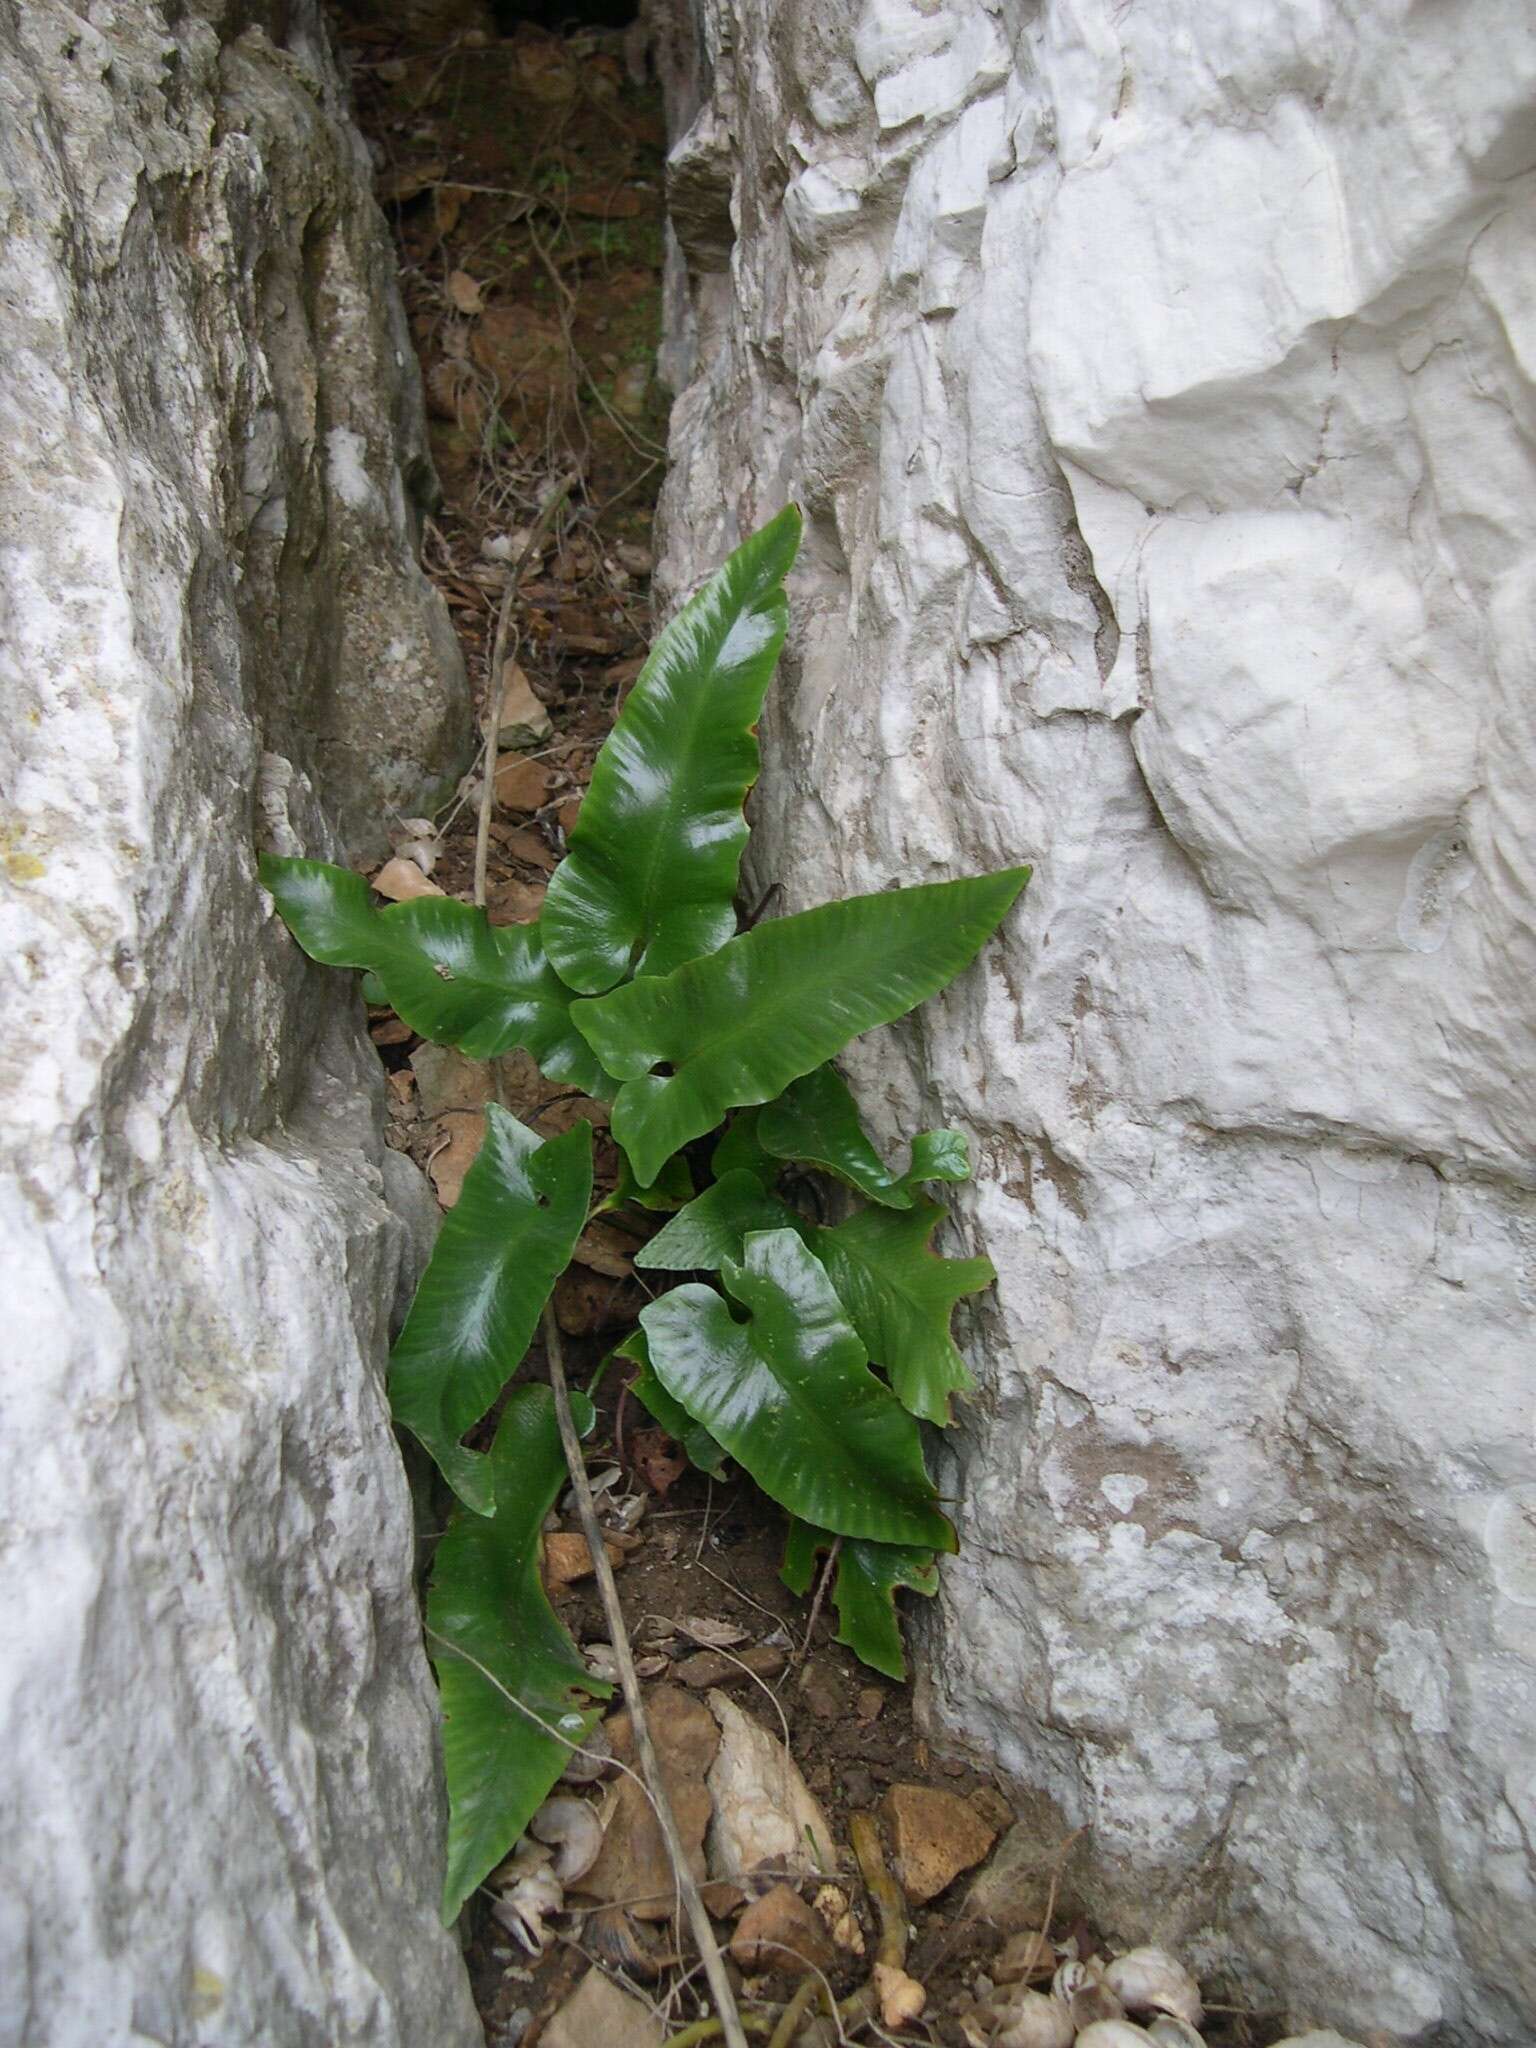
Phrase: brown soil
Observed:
(523, 177)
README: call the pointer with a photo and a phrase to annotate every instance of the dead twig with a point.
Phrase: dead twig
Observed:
(541, 526)
(821, 1593)
(729, 2018)
(860, 2007)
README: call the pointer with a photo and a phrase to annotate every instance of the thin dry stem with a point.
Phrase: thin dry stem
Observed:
(821, 1593)
(698, 1919)
(793, 2014)
(541, 526)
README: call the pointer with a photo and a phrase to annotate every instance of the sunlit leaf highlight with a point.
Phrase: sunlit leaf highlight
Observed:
(651, 875)
(789, 1394)
(500, 1250)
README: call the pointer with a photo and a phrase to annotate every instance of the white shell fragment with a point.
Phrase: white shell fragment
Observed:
(1081, 1988)
(528, 1891)
(1151, 1980)
(1171, 2032)
(1035, 2021)
(594, 1758)
(573, 1830)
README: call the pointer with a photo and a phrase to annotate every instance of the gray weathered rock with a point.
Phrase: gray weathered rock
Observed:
(1160, 383)
(222, 1807)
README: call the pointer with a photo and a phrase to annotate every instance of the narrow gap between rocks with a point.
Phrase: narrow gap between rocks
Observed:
(520, 155)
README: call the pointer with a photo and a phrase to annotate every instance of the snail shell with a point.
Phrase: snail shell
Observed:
(1034, 2021)
(1151, 1980)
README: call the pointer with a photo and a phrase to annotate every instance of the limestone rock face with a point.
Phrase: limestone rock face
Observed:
(222, 1807)
(1160, 385)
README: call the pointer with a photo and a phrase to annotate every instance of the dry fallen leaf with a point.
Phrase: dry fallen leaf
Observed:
(657, 1459)
(567, 1558)
(404, 184)
(523, 784)
(402, 881)
(523, 721)
(514, 902)
(464, 291)
(606, 1249)
(454, 1156)
(719, 1635)
(447, 205)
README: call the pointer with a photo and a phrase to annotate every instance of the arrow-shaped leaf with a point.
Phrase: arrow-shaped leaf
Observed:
(673, 1187)
(651, 873)
(816, 1122)
(452, 976)
(864, 1594)
(712, 1229)
(672, 1416)
(776, 1002)
(895, 1290)
(513, 1682)
(790, 1395)
(501, 1248)
(899, 1295)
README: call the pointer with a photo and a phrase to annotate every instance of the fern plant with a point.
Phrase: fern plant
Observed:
(810, 1353)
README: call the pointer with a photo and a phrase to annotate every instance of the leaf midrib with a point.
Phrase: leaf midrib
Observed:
(694, 724)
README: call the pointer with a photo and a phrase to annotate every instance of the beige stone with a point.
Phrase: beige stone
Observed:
(934, 1835)
(780, 1931)
(598, 2014)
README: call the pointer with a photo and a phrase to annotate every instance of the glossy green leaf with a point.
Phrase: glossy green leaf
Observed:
(864, 1592)
(899, 1296)
(713, 1229)
(699, 1446)
(452, 976)
(650, 878)
(738, 1027)
(938, 1155)
(504, 1661)
(501, 1248)
(742, 1150)
(789, 1394)
(672, 1187)
(817, 1123)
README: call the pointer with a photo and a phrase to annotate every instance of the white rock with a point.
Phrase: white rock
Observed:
(764, 1811)
(1159, 382)
(222, 1798)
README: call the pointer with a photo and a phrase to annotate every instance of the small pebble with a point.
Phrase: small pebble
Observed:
(858, 1787)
